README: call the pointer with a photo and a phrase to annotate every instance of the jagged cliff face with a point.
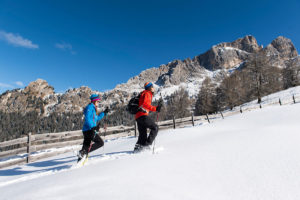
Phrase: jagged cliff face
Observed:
(40, 97)
(27, 100)
(71, 101)
(227, 55)
(214, 63)
(283, 47)
(281, 51)
(221, 56)
(220, 59)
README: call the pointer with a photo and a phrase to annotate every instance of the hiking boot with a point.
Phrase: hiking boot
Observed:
(80, 155)
(139, 148)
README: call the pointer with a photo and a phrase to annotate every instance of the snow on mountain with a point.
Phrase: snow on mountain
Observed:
(254, 155)
(220, 60)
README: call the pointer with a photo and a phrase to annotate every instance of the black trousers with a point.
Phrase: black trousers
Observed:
(143, 123)
(90, 136)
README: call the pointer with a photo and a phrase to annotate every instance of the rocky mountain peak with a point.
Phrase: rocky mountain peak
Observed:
(284, 47)
(281, 51)
(247, 43)
(227, 55)
(39, 88)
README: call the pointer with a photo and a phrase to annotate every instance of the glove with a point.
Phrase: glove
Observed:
(96, 128)
(106, 110)
(158, 107)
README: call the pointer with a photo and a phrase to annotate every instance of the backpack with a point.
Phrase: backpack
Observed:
(133, 105)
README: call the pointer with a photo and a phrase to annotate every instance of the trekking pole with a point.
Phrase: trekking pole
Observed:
(155, 138)
(91, 144)
(105, 127)
(157, 125)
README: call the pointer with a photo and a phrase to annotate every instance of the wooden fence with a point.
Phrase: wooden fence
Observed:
(27, 147)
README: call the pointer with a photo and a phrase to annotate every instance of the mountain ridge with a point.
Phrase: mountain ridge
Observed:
(189, 73)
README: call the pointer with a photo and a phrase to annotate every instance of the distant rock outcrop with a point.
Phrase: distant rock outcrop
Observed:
(228, 54)
(40, 97)
(39, 89)
(27, 100)
(280, 51)
(283, 47)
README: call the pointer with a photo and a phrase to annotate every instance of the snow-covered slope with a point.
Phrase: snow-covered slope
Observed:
(250, 156)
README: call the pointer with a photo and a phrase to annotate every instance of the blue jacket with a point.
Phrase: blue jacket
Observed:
(90, 117)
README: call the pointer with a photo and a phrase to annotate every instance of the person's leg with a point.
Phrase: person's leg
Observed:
(142, 139)
(98, 142)
(88, 136)
(149, 123)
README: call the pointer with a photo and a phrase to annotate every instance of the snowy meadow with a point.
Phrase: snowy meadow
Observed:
(254, 155)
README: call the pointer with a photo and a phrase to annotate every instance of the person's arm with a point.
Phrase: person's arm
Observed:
(100, 116)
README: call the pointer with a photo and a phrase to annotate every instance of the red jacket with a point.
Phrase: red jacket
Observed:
(145, 104)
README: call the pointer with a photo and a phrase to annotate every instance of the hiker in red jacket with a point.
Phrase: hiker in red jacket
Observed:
(144, 121)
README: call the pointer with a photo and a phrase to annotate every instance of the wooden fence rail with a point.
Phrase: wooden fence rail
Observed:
(32, 143)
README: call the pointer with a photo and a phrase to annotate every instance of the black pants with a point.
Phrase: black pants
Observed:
(90, 136)
(143, 123)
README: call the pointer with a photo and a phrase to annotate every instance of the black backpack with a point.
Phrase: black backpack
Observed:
(133, 105)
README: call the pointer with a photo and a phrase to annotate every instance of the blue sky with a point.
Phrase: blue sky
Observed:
(103, 43)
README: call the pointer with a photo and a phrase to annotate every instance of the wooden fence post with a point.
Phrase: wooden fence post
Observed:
(294, 99)
(28, 147)
(222, 114)
(174, 125)
(279, 101)
(193, 123)
(135, 127)
(241, 111)
(207, 118)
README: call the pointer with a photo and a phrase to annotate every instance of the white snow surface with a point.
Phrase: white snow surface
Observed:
(249, 156)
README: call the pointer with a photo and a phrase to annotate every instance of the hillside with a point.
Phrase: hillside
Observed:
(246, 156)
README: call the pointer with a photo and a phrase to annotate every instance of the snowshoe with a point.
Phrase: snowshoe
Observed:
(81, 154)
(139, 148)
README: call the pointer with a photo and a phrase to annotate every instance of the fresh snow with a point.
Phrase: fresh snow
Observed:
(285, 96)
(249, 156)
(38, 153)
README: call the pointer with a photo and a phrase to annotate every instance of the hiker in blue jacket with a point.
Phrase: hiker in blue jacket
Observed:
(90, 127)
